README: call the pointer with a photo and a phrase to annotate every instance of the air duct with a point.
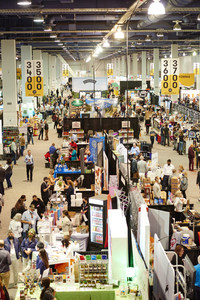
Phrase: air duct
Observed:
(153, 19)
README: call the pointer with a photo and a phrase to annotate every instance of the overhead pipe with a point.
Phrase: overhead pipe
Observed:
(153, 18)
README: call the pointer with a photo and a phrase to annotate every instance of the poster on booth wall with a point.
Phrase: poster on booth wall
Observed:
(93, 146)
(105, 165)
(170, 76)
(34, 78)
(98, 180)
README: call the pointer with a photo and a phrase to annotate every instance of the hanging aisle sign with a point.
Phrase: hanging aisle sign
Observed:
(109, 69)
(196, 68)
(65, 70)
(170, 76)
(34, 78)
(151, 69)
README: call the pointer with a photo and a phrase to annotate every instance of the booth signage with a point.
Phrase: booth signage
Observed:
(19, 73)
(170, 76)
(186, 79)
(126, 124)
(109, 69)
(76, 125)
(65, 70)
(34, 78)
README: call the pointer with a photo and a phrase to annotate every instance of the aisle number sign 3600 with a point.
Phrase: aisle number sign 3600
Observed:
(170, 76)
(34, 78)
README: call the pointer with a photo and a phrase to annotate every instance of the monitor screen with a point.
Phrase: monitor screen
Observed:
(190, 276)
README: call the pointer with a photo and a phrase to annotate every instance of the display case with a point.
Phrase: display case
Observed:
(9, 134)
(93, 270)
(98, 220)
(127, 134)
(78, 132)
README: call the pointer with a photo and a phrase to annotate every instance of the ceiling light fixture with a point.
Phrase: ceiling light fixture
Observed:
(139, 42)
(119, 34)
(24, 2)
(38, 19)
(106, 44)
(156, 8)
(148, 39)
(160, 34)
(53, 36)
(57, 41)
(177, 26)
(183, 53)
(194, 53)
(198, 18)
(47, 28)
(95, 54)
(88, 59)
(98, 49)
(60, 44)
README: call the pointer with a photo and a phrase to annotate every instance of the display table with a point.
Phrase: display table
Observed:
(66, 292)
(60, 171)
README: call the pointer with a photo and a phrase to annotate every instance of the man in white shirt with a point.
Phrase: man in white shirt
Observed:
(13, 149)
(11, 244)
(29, 165)
(167, 171)
(31, 217)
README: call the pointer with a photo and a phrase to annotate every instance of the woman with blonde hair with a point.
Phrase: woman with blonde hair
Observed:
(184, 184)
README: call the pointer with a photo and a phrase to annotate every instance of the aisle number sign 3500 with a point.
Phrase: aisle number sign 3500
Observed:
(170, 76)
(34, 78)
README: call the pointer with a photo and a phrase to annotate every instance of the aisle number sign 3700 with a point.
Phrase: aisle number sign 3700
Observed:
(34, 78)
(170, 76)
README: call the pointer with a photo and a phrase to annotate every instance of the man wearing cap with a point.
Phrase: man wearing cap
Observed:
(11, 244)
(5, 262)
(31, 217)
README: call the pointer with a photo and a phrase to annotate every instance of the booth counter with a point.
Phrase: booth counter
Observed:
(72, 292)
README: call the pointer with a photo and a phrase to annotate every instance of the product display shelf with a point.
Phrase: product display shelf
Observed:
(9, 134)
(127, 134)
(78, 132)
(93, 271)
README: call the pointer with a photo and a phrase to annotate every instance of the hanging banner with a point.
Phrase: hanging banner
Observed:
(19, 73)
(109, 69)
(187, 79)
(98, 180)
(196, 68)
(65, 70)
(34, 78)
(151, 69)
(170, 76)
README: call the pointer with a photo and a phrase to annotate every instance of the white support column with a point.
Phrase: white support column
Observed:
(134, 65)
(174, 54)
(123, 65)
(58, 73)
(10, 107)
(197, 59)
(26, 54)
(156, 70)
(37, 55)
(144, 70)
(118, 66)
(45, 57)
(115, 66)
(130, 66)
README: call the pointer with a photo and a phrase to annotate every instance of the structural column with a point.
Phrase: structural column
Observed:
(10, 106)
(144, 68)
(174, 54)
(52, 73)
(45, 57)
(58, 73)
(26, 54)
(156, 70)
(197, 59)
(135, 65)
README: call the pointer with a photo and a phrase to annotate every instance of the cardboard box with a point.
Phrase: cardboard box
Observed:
(82, 229)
